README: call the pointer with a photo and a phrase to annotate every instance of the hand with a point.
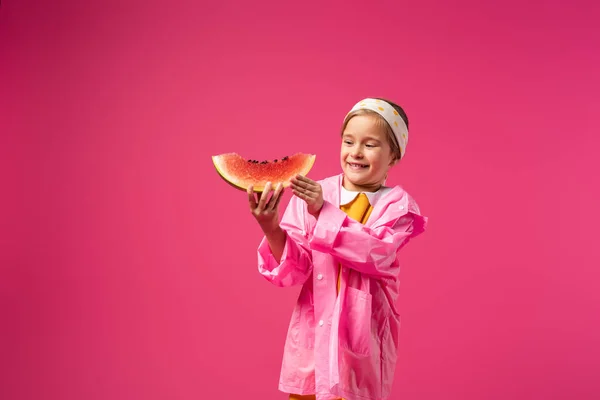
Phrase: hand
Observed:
(266, 212)
(309, 191)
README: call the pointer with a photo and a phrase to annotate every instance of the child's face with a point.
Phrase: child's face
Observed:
(366, 155)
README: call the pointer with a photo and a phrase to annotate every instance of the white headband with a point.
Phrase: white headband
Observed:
(392, 117)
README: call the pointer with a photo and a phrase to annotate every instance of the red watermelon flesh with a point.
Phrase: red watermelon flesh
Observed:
(242, 173)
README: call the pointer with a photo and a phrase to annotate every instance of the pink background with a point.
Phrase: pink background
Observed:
(128, 267)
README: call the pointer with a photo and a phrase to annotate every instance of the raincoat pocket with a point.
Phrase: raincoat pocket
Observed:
(355, 322)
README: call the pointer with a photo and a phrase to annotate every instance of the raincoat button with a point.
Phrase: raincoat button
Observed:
(321, 323)
(402, 207)
(320, 276)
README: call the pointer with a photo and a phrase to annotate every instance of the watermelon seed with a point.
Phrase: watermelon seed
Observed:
(275, 160)
(285, 158)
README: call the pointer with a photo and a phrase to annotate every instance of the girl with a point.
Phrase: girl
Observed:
(339, 238)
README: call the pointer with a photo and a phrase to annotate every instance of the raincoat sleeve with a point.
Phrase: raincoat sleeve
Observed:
(295, 265)
(370, 251)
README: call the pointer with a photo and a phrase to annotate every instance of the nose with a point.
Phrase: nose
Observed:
(356, 152)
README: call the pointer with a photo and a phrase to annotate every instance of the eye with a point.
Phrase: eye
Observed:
(370, 145)
(348, 142)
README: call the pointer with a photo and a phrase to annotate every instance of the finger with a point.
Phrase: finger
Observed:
(308, 186)
(295, 186)
(310, 192)
(297, 189)
(273, 201)
(300, 183)
(302, 195)
(279, 196)
(264, 195)
(306, 180)
(251, 198)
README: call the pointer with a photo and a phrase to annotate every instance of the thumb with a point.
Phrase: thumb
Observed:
(251, 198)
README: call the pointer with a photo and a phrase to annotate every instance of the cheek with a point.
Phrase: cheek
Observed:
(375, 158)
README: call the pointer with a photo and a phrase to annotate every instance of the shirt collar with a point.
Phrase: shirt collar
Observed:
(346, 196)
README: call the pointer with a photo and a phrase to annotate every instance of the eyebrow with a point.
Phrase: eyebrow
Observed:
(350, 136)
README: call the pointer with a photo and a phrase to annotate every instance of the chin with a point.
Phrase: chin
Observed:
(358, 176)
(353, 179)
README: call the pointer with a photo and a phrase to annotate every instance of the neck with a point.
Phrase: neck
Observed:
(360, 188)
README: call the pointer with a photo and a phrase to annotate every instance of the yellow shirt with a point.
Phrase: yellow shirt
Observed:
(359, 210)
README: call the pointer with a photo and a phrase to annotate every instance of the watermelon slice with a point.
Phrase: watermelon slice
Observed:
(241, 173)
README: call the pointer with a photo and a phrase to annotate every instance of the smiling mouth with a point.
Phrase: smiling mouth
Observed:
(357, 166)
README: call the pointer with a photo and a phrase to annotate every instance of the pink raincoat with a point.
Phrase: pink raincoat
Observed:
(342, 345)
